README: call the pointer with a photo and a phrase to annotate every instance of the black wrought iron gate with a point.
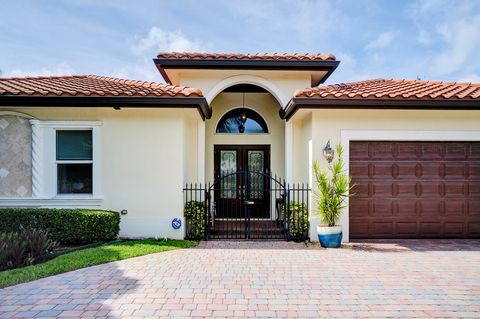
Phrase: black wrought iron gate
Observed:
(247, 205)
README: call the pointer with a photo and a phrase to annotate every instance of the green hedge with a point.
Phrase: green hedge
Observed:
(195, 213)
(298, 221)
(66, 226)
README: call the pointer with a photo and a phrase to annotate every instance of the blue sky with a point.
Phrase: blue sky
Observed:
(433, 40)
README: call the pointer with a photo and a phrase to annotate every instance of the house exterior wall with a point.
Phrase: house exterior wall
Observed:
(263, 103)
(143, 165)
(332, 124)
(282, 84)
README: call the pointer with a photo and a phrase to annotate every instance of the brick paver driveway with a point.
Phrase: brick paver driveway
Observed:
(266, 279)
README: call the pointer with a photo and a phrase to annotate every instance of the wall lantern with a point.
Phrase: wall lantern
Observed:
(328, 152)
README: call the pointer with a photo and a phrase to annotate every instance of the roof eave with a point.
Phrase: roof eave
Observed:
(245, 64)
(389, 104)
(199, 103)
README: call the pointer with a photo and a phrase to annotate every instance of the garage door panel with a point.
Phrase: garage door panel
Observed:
(415, 190)
(453, 228)
(474, 228)
(474, 189)
(455, 208)
(359, 170)
(359, 229)
(408, 152)
(382, 151)
(456, 151)
(360, 208)
(473, 170)
(474, 207)
(432, 151)
(359, 151)
(381, 209)
(453, 170)
(407, 208)
(406, 228)
(453, 189)
(474, 153)
(430, 208)
(431, 228)
(381, 228)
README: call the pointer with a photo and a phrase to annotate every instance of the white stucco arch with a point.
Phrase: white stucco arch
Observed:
(247, 79)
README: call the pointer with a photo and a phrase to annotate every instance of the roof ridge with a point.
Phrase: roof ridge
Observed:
(401, 80)
(244, 56)
(42, 77)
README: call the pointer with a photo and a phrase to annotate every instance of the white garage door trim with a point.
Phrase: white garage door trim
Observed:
(388, 135)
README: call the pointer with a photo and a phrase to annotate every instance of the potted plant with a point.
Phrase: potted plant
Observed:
(333, 189)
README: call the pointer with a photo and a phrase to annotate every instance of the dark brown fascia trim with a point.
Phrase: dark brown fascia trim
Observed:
(387, 104)
(223, 64)
(109, 101)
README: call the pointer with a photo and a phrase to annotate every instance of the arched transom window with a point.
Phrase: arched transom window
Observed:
(242, 120)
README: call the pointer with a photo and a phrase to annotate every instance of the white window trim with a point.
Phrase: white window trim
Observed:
(44, 163)
(346, 136)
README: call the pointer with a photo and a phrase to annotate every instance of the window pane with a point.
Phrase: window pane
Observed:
(74, 145)
(242, 120)
(228, 165)
(256, 165)
(74, 178)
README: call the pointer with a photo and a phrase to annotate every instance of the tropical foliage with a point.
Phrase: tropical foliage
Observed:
(24, 247)
(195, 213)
(298, 221)
(333, 189)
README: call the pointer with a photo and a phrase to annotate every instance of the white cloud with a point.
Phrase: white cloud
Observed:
(383, 40)
(462, 41)
(451, 29)
(473, 78)
(144, 48)
(60, 69)
(159, 40)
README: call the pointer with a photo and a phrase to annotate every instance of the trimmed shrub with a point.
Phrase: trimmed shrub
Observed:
(195, 214)
(298, 223)
(66, 226)
(24, 248)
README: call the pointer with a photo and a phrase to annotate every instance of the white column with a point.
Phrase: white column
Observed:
(37, 159)
(288, 152)
(201, 151)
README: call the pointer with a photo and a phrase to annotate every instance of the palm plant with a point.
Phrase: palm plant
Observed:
(333, 189)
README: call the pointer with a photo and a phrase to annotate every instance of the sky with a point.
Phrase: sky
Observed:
(430, 39)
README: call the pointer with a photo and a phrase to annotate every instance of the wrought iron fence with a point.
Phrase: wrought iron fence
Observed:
(256, 206)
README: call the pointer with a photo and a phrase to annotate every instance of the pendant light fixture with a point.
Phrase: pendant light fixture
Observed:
(243, 116)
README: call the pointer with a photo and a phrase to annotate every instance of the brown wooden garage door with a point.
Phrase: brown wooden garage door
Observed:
(415, 190)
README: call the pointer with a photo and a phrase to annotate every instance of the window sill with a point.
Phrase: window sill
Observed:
(62, 201)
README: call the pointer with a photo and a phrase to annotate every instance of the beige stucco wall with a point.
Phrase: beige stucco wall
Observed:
(263, 103)
(146, 156)
(212, 82)
(15, 156)
(328, 125)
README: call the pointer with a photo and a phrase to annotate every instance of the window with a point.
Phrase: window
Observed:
(74, 160)
(242, 120)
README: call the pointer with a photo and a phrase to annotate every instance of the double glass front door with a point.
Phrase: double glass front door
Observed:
(242, 183)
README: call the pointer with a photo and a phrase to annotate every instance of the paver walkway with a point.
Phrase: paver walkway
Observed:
(266, 279)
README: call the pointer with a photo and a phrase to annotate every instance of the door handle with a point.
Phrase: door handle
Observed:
(249, 202)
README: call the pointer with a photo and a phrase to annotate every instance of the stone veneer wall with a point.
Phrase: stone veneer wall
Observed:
(15, 156)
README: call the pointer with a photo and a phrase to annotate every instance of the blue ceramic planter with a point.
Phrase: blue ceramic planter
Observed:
(330, 237)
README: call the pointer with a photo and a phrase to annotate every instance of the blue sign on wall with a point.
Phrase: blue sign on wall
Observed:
(176, 223)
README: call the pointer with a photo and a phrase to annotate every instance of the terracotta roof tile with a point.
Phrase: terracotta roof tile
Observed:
(90, 85)
(248, 56)
(394, 89)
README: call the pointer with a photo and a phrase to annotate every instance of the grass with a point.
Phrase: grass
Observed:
(89, 257)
